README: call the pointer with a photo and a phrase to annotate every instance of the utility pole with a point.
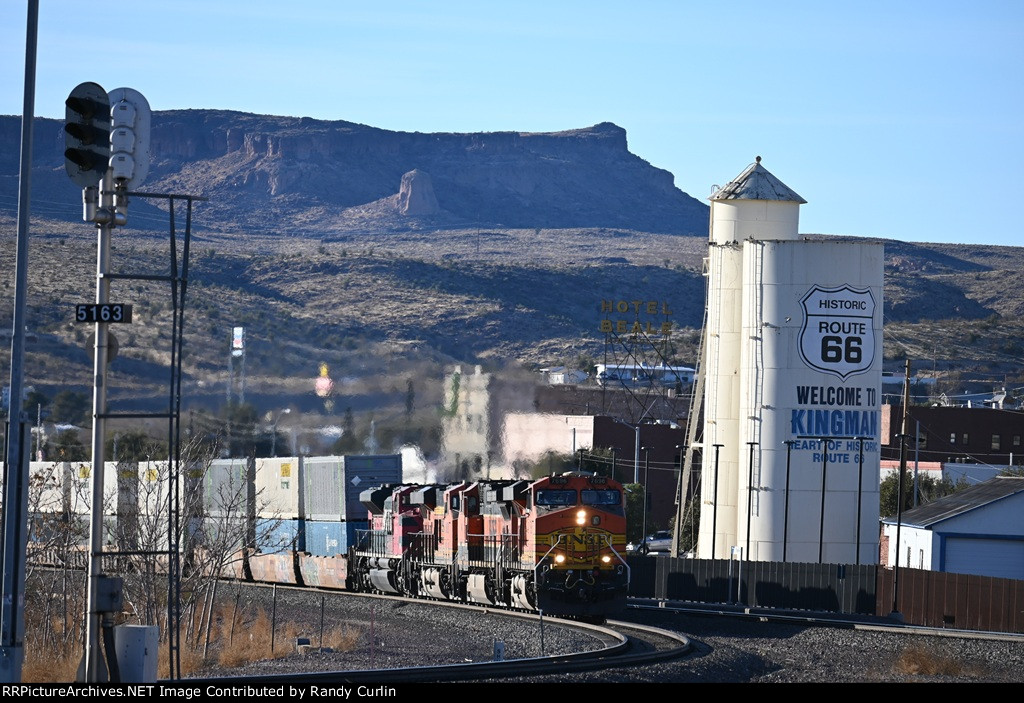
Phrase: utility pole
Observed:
(899, 493)
(16, 465)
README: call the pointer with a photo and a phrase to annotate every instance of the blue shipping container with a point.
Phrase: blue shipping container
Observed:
(276, 535)
(327, 539)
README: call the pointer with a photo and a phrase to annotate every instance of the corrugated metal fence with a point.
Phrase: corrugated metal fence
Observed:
(928, 598)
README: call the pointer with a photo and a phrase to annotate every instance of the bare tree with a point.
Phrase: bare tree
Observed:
(214, 531)
(54, 594)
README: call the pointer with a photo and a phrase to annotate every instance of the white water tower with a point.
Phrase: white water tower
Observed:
(793, 346)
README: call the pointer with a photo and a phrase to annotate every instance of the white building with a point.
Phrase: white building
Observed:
(979, 530)
(466, 421)
(954, 472)
(560, 375)
(528, 436)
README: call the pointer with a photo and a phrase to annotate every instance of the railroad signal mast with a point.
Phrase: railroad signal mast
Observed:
(107, 153)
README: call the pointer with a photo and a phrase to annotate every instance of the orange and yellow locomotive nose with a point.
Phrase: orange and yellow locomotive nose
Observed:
(581, 562)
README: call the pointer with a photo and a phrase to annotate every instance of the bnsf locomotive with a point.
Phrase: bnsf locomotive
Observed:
(556, 545)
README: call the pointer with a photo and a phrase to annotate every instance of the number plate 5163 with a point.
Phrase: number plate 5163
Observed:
(107, 312)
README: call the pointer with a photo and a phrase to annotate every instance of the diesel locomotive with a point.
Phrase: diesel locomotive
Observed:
(556, 545)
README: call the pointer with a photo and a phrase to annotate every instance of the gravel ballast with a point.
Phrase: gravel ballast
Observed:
(726, 650)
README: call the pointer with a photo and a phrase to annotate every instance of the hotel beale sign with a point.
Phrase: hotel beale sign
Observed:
(635, 317)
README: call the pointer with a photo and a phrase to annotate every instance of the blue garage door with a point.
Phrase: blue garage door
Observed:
(1003, 558)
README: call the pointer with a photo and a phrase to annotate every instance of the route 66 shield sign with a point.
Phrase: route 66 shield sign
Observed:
(838, 335)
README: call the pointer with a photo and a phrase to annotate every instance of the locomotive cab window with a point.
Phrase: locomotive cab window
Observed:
(604, 497)
(561, 497)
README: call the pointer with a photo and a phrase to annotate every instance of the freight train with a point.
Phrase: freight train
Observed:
(555, 545)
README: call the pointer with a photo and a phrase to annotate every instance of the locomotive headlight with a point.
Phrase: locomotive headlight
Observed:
(581, 517)
(606, 559)
(559, 558)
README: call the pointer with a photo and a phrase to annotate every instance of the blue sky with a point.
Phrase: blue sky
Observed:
(902, 120)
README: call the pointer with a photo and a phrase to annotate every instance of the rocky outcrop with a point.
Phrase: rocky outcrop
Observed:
(416, 195)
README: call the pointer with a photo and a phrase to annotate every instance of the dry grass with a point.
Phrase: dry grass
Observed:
(191, 660)
(50, 665)
(252, 643)
(343, 638)
(919, 661)
(53, 648)
(236, 638)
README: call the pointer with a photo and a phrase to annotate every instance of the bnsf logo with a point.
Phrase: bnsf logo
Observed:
(589, 539)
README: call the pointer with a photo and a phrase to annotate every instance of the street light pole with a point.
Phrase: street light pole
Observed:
(785, 520)
(899, 523)
(750, 496)
(860, 490)
(16, 459)
(636, 456)
(678, 466)
(821, 519)
(647, 469)
(714, 511)
(636, 447)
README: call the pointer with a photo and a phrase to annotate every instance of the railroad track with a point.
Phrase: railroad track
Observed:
(665, 643)
(867, 624)
(621, 645)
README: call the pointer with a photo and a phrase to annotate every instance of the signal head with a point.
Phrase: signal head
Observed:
(131, 117)
(87, 134)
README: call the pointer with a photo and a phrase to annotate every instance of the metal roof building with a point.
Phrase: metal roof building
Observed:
(979, 530)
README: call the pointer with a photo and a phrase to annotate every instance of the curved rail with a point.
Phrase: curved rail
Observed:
(620, 651)
(876, 624)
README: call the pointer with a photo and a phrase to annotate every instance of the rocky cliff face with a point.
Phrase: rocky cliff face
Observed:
(303, 173)
(416, 196)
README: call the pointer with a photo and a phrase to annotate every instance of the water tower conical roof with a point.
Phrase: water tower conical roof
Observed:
(757, 183)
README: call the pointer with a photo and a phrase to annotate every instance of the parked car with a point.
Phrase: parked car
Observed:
(660, 541)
